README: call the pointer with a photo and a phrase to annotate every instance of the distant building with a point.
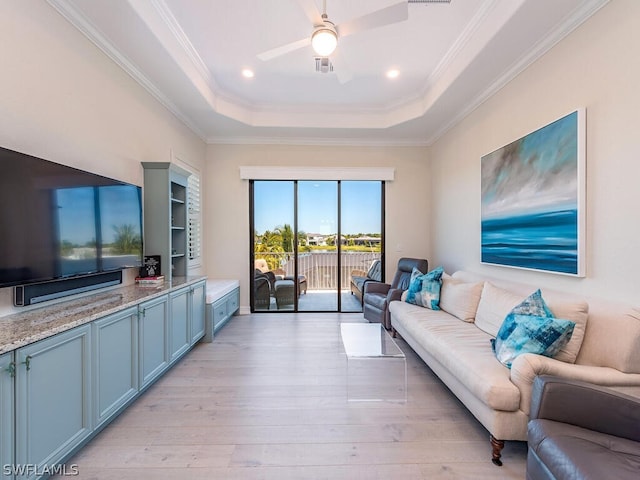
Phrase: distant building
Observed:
(317, 239)
(364, 240)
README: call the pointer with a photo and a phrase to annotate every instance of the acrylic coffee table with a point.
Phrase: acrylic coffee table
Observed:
(376, 367)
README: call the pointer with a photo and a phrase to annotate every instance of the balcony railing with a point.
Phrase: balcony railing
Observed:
(321, 268)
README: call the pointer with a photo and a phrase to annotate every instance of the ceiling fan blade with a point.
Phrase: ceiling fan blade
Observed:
(386, 16)
(284, 49)
(341, 67)
(311, 11)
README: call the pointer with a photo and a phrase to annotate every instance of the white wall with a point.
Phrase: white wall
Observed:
(227, 203)
(64, 100)
(596, 67)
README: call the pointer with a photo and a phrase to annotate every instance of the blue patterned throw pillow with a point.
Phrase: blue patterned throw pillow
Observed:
(531, 334)
(424, 290)
(415, 285)
(534, 304)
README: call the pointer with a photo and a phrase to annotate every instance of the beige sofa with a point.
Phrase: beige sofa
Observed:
(455, 343)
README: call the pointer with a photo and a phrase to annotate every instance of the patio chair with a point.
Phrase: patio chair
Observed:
(302, 279)
(262, 293)
(359, 278)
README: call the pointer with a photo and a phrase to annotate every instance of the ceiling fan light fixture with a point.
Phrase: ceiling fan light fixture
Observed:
(324, 40)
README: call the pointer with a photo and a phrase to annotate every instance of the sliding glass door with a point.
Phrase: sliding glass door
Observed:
(318, 252)
(308, 237)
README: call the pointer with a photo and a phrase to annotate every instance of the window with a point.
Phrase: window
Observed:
(194, 219)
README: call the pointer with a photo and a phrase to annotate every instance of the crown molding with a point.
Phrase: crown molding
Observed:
(586, 10)
(161, 22)
(74, 16)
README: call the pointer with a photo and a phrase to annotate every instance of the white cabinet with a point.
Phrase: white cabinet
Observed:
(53, 398)
(7, 374)
(115, 363)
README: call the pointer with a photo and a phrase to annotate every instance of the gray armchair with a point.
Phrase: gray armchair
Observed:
(578, 430)
(377, 295)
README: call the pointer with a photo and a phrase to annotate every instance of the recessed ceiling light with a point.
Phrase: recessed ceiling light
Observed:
(248, 73)
(393, 73)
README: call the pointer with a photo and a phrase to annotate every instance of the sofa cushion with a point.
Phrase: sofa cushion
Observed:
(463, 350)
(531, 334)
(578, 312)
(495, 304)
(459, 298)
(424, 289)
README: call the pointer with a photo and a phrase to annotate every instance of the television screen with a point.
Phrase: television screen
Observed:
(59, 222)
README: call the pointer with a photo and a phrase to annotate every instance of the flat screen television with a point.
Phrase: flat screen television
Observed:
(60, 222)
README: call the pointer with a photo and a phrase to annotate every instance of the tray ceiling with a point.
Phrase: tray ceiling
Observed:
(450, 57)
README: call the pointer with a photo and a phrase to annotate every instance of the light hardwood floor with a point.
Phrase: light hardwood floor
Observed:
(267, 400)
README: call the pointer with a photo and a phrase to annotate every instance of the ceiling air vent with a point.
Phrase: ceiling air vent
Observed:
(323, 65)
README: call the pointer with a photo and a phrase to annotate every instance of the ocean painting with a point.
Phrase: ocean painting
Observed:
(532, 200)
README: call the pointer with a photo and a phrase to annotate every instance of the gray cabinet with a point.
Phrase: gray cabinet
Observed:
(153, 336)
(58, 392)
(179, 335)
(165, 216)
(7, 374)
(52, 398)
(220, 311)
(197, 314)
(115, 363)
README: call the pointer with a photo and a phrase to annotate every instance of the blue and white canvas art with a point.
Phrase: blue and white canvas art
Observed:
(533, 200)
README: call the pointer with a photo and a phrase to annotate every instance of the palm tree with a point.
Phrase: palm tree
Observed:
(286, 233)
(269, 243)
(127, 239)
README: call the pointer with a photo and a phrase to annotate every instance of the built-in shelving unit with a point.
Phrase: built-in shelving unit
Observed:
(165, 216)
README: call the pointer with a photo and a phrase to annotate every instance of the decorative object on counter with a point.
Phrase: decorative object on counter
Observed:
(151, 266)
(153, 280)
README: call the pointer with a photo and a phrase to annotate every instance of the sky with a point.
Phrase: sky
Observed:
(119, 204)
(318, 206)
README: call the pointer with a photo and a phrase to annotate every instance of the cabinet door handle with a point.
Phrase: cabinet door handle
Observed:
(143, 312)
(11, 369)
(27, 362)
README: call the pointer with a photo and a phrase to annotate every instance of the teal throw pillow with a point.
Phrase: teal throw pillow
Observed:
(424, 289)
(531, 334)
(534, 304)
(415, 284)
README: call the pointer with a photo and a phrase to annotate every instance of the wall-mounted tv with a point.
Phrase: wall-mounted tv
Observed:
(60, 222)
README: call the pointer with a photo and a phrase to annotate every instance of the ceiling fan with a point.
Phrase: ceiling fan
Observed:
(325, 34)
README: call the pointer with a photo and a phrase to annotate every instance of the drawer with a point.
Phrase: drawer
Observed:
(219, 311)
(233, 302)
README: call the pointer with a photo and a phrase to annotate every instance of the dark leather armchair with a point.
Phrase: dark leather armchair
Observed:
(378, 295)
(578, 430)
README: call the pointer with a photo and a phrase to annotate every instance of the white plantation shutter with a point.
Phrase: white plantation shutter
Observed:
(194, 218)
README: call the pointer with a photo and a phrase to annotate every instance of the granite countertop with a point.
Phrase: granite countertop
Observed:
(20, 329)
